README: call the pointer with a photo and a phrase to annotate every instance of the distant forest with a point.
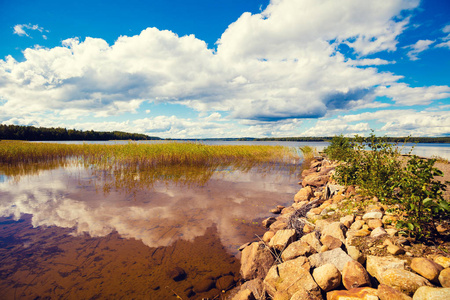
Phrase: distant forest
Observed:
(388, 139)
(31, 133)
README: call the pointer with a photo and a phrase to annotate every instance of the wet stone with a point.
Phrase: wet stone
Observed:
(177, 274)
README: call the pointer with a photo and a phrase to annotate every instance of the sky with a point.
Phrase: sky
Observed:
(227, 68)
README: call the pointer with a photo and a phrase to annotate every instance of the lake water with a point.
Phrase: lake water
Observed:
(69, 232)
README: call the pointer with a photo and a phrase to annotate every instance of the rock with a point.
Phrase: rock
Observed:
(335, 229)
(305, 194)
(378, 232)
(255, 286)
(391, 231)
(427, 268)
(277, 210)
(362, 232)
(177, 274)
(327, 277)
(204, 285)
(385, 292)
(225, 283)
(441, 229)
(308, 228)
(278, 225)
(365, 293)
(357, 225)
(244, 295)
(444, 278)
(330, 242)
(256, 261)
(373, 215)
(315, 180)
(287, 211)
(337, 257)
(321, 224)
(347, 220)
(402, 280)
(350, 190)
(312, 240)
(269, 221)
(267, 236)
(429, 293)
(296, 249)
(303, 294)
(376, 265)
(332, 189)
(395, 250)
(374, 223)
(291, 276)
(355, 254)
(443, 261)
(354, 275)
(282, 239)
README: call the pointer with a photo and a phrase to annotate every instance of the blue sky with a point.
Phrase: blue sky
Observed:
(198, 69)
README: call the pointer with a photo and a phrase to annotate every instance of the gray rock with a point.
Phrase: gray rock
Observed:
(376, 265)
(373, 215)
(378, 232)
(429, 293)
(337, 257)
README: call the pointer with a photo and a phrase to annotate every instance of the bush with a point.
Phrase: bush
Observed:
(378, 168)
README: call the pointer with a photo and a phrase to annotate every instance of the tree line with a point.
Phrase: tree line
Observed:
(31, 133)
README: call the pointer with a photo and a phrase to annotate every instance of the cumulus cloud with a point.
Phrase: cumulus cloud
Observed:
(446, 39)
(418, 48)
(20, 29)
(281, 64)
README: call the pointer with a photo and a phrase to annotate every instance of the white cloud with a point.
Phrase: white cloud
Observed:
(282, 64)
(417, 48)
(19, 29)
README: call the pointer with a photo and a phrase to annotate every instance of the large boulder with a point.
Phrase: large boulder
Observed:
(386, 292)
(312, 240)
(354, 275)
(443, 261)
(444, 278)
(315, 180)
(335, 229)
(327, 277)
(337, 257)
(376, 265)
(291, 276)
(427, 268)
(296, 249)
(256, 260)
(304, 194)
(402, 280)
(282, 239)
(429, 293)
(364, 293)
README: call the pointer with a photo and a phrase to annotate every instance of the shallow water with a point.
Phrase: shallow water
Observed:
(74, 232)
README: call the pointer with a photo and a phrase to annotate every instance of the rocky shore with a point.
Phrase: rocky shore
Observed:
(334, 243)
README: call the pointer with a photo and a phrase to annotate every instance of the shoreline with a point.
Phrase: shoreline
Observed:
(315, 232)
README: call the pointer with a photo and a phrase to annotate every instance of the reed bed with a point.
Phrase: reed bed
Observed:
(139, 157)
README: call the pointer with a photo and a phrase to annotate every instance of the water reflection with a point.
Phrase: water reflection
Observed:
(115, 233)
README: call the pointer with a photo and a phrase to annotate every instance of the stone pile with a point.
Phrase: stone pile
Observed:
(310, 253)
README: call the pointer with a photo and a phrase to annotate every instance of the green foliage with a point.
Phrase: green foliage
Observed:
(340, 148)
(379, 169)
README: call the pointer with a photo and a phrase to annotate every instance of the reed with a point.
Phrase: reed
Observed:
(308, 152)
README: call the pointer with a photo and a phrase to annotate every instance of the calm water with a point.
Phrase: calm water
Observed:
(422, 149)
(67, 232)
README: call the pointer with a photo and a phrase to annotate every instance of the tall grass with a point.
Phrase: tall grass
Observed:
(308, 152)
(183, 162)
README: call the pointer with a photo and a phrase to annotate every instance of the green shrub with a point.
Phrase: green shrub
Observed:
(378, 168)
(340, 148)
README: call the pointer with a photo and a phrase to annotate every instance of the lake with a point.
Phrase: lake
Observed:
(75, 232)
